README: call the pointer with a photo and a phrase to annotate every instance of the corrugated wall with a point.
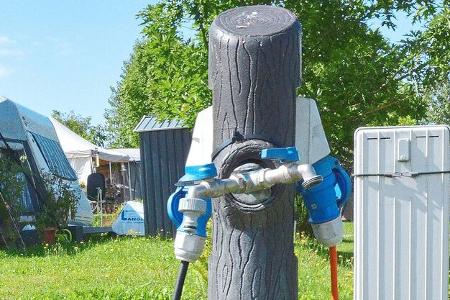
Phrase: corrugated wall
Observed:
(401, 222)
(163, 155)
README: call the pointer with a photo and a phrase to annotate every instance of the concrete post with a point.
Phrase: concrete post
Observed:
(254, 69)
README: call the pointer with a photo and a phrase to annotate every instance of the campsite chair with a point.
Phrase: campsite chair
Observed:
(96, 191)
(94, 206)
(97, 205)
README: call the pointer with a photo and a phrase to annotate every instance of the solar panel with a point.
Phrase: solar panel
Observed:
(55, 158)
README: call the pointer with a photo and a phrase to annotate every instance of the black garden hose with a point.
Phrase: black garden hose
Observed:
(180, 280)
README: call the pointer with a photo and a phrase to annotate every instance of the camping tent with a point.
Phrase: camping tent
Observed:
(33, 136)
(81, 154)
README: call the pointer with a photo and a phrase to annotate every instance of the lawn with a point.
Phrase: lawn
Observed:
(142, 268)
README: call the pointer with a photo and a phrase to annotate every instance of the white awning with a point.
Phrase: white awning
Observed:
(133, 153)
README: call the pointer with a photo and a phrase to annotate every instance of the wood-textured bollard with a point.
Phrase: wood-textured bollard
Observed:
(254, 69)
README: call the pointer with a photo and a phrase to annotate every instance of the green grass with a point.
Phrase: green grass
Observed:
(141, 268)
(314, 272)
(108, 220)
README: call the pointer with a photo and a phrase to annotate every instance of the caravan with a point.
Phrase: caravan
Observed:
(32, 137)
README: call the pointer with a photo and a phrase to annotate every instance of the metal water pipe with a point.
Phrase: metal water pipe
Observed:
(255, 181)
(190, 203)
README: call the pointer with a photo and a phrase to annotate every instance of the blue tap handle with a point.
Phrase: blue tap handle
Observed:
(283, 154)
(197, 173)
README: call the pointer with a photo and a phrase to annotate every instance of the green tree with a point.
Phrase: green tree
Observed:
(438, 105)
(166, 76)
(82, 126)
(427, 63)
(357, 77)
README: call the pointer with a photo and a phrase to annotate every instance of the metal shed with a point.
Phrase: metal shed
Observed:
(164, 149)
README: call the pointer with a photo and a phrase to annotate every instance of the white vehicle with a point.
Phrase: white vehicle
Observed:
(33, 136)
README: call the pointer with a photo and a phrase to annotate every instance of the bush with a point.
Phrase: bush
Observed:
(11, 187)
(59, 203)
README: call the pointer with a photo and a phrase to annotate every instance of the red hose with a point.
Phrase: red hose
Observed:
(334, 274)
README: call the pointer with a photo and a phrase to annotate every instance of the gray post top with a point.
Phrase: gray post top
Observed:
(257, 20)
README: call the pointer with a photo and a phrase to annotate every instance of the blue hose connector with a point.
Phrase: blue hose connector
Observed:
(324, 200)
(177, 217)
(192, 174)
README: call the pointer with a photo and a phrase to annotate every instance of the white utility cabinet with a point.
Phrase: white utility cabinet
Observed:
(402, 194)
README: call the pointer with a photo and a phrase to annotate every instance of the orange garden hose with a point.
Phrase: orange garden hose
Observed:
(334, 274)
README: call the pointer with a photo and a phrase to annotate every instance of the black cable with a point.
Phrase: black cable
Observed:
(180, 280)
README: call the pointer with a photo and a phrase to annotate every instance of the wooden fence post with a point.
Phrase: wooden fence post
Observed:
(254, 69)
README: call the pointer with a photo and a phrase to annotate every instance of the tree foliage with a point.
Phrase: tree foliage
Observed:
(426, 53)
(357, 77)
(82, 126)
(426, 58)
(166, 76)
(439, 105)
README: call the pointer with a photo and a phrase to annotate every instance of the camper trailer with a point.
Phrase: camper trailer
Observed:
(32, 136)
